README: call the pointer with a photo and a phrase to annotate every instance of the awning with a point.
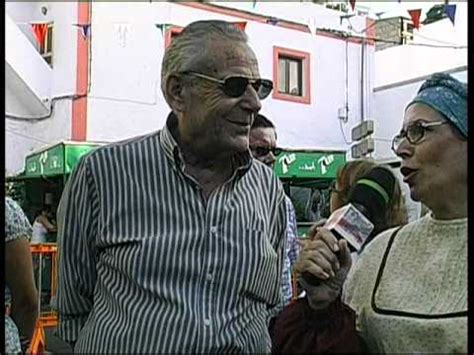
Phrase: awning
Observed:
(56, 160)
(309, 165)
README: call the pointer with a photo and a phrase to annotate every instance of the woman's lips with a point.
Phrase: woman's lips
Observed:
(408, 174)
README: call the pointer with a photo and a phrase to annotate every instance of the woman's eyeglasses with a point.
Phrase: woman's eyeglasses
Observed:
(235, 85)
(262, 151)
(414, 133)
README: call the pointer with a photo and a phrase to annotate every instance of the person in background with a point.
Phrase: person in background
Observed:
(174, 242)
(42, 226)
(263, 147)
(20, 290)
(408, 290)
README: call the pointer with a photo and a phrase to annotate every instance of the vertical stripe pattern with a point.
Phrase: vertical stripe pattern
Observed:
(147, 265)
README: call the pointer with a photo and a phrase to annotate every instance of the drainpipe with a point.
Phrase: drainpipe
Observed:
(362, 80)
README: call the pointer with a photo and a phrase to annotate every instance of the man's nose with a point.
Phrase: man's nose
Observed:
(250, 100)
(271, 158)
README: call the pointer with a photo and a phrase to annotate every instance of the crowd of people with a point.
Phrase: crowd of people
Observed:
(183, 240)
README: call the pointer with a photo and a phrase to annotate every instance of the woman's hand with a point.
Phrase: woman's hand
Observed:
(329, 260)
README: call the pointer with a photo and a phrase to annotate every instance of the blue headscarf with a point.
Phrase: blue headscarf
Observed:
(446, 95)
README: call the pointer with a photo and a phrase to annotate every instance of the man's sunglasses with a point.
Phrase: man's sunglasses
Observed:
(235, 85)
(263, 151)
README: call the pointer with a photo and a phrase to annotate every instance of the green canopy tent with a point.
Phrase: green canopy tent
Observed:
(45, 174)
(306, 176)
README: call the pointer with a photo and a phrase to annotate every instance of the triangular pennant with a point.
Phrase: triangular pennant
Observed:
(272, 20)
(311, 23)
(240, 25)
(353, 4)
(254, 3)
(163, 27)
(86, 30)
(415, 17)
(450, 10)
(40, 30)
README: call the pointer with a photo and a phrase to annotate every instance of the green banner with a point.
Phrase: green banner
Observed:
(57, 160)
(46, 163)
(74, 153)
(309, 165)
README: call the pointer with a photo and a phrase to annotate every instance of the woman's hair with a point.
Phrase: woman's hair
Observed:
(352, 171)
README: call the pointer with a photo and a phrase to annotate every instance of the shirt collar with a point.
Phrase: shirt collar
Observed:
(241, 161)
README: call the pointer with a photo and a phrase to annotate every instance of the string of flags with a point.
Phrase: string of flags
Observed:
(40, 30)
(449, 10)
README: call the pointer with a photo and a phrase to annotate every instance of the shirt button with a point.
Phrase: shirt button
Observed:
(207, 322)
(209, 277)
(213, 229)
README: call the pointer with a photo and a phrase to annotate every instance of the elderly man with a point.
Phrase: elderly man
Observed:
(263, 146)
(174, 242)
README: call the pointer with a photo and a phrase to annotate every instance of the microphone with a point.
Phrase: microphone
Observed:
(367, 206)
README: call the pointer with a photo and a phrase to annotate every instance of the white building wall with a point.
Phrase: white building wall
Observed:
(23, 137)
(126, 99)
(390, 103)
(400, 71)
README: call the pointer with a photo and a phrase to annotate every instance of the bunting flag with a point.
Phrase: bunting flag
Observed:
(163, 27)
(415, 17)
(450, 10)
(254, 3)
(40, 30)
(240, 25)
(272, 20)
(85, 30)
(353, 4)
(311, 23)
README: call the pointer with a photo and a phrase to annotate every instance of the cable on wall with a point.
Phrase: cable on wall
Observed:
(48, 115)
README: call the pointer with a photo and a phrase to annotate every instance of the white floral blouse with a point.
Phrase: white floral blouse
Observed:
(16, 226)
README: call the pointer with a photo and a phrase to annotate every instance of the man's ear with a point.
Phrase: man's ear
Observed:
(174, 93)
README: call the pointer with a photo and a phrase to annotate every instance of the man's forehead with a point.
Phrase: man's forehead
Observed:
(227, 55)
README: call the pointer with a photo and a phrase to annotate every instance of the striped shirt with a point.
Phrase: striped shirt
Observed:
(147, 264)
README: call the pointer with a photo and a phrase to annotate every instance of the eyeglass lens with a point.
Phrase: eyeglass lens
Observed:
(262, 151)
(413, 133)
(236, 86)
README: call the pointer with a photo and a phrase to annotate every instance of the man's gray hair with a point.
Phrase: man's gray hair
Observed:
(192, 44)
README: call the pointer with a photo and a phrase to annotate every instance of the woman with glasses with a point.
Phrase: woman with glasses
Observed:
(407, 292)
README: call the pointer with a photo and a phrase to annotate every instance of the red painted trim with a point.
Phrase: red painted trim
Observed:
(170, 32)
(370, 33)
(79, 106)
(263, 19)
(244, 15)
(306, 58)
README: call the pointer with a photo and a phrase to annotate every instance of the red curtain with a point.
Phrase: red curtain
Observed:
(40, 30)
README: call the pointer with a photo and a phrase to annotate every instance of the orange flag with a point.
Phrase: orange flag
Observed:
(415, 17)
(240, 25)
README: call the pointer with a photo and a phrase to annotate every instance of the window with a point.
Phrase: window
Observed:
(291, 75)
(47, 51)
(172, 33)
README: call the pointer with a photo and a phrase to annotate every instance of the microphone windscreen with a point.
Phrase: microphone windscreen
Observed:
(374, 191)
